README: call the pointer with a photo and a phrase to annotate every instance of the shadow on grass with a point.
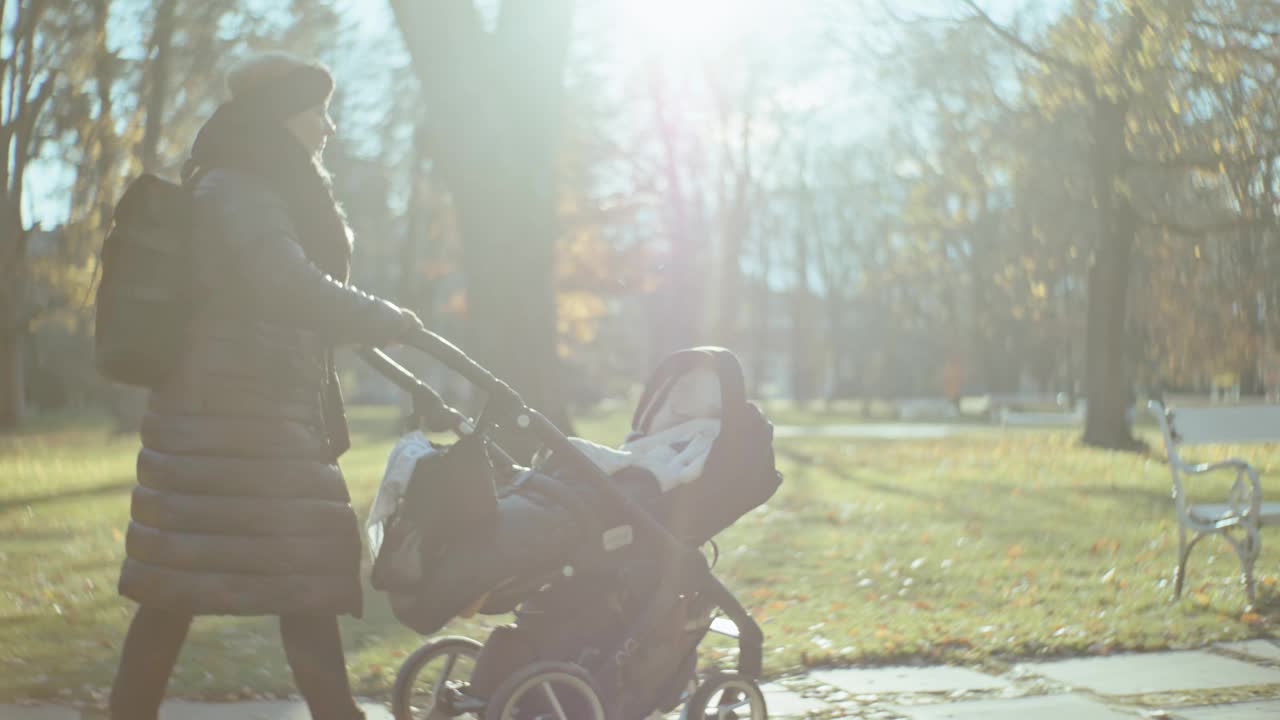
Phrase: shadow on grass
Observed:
(35, 536)
(845, 475)
(109, 488)
(22, 620)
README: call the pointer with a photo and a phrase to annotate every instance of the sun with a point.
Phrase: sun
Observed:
(687, 29)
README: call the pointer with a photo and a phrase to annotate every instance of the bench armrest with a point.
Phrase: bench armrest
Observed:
(1240, 495)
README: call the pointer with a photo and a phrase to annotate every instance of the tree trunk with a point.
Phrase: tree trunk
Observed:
(508, 262)
(837, 350)
(802, 335)
(1106, 377)
(728, 305)
(678, 321)
(496, 101)
(416, 291)
(12, 381)
(13, 311)
(735, 224)
(158, 86)
(760, 325)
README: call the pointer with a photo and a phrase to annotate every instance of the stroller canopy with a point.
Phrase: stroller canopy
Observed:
(702, 382)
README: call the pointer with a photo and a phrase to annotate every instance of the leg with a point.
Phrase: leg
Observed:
(314, 649)
(1180, 572)
(150, 651)
(1247, 549)
(1250, 586)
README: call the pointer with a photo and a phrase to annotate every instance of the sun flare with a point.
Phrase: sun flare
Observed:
(682, 29)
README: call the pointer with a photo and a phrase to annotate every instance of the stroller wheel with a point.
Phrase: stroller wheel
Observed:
(726, 696)
(547, 690)
(420, 684)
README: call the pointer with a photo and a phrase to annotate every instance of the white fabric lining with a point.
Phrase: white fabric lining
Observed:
(675, 455)
(404, 457)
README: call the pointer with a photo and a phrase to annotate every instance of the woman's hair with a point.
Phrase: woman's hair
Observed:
(263, 68)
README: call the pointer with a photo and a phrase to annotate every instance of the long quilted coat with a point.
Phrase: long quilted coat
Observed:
(240, 506)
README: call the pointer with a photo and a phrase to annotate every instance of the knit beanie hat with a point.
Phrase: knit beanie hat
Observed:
(299, 89)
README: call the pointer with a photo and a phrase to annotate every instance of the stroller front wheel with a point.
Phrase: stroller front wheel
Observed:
(726, 696)
(421, 681)
(547, 690)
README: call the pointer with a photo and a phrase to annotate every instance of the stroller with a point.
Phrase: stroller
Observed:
(604, 572)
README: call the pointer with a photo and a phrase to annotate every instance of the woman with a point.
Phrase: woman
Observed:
(241, 508)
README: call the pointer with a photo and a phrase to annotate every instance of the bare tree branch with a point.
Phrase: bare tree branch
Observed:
(1021, 44)
(1236, 28)
(1208, 161)
(1200, 230)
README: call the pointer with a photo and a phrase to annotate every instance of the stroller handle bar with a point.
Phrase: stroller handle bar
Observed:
(427, 403)
(505, 403)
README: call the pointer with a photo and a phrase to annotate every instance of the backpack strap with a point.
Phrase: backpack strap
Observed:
(733, 393)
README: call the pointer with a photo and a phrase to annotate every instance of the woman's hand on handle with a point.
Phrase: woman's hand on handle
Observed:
(431, 412)
(410, 323)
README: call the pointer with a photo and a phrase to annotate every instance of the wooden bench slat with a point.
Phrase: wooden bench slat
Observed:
(1212, 512)
(1226, 425)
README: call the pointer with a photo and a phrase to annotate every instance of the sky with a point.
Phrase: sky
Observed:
(678, 34)
(845, 95)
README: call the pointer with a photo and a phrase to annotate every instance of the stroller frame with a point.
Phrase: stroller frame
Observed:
(504, 407)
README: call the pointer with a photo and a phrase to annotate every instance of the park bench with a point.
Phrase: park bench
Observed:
(1059, 416)
(1025, 408)
(1240, 519)
(926, 408)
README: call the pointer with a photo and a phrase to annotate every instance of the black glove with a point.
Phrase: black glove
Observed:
(410, 322)
(504, 400)
(430, 410)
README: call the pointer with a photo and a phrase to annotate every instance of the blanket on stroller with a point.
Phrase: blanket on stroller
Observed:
(699, 456)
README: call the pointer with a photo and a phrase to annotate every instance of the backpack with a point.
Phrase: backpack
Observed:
(144, 302)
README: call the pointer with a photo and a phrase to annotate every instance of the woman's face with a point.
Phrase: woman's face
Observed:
(312, 127)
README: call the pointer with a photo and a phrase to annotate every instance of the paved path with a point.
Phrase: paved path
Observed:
(1233, 681)
(877, 431)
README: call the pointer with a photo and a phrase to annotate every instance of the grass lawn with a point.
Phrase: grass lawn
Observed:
(981, 548)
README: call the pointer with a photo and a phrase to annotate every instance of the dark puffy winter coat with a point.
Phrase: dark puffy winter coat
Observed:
(240, 506)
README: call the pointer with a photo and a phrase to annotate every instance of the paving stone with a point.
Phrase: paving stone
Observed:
(1268, 710)
(1156, 672)
(784, 703)
(278, 710)
(939, 678)
(38, 712)
(1263, 649)
(1042, 707)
